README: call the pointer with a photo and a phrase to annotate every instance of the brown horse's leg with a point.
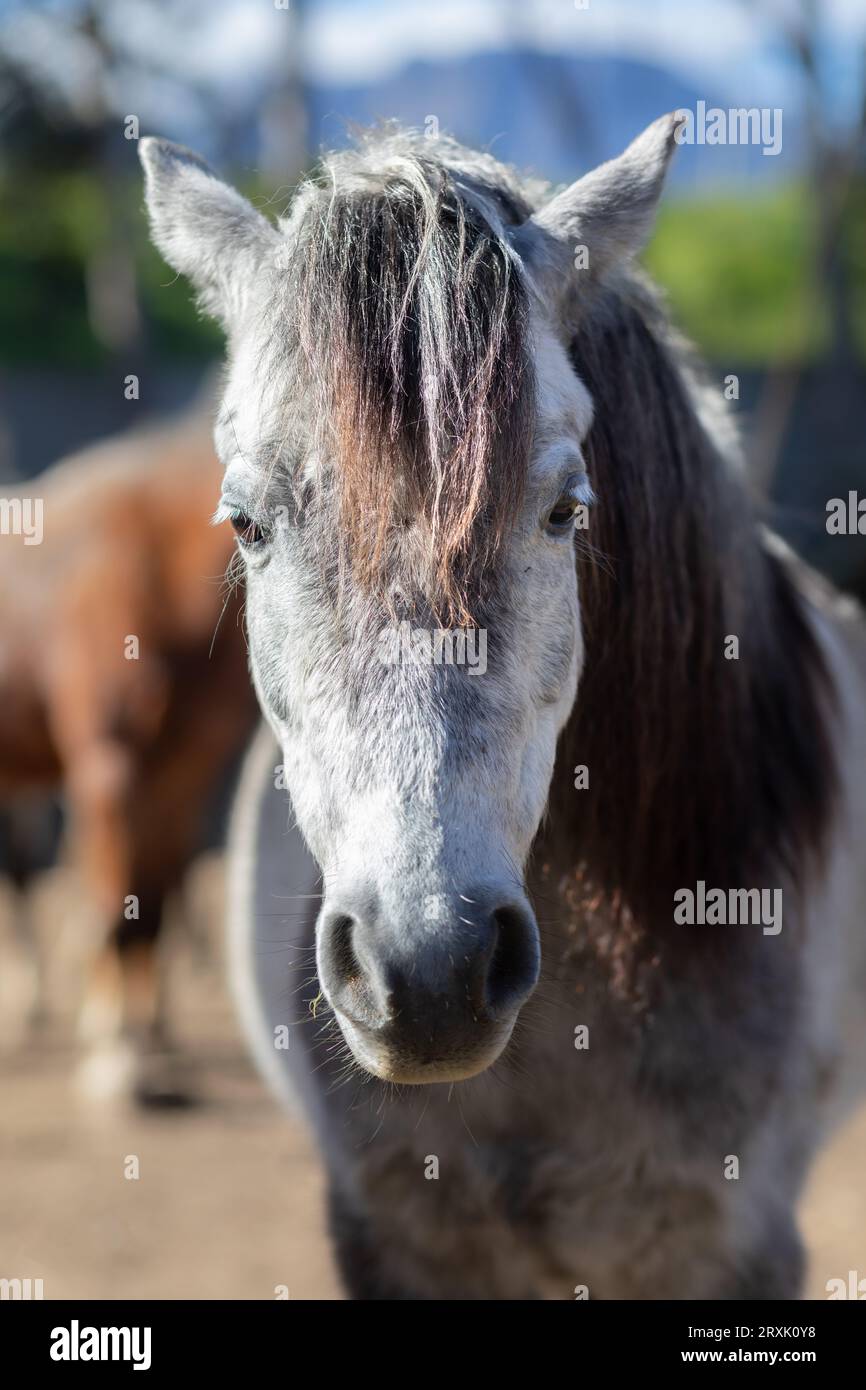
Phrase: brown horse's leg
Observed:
(122, 1021)
(161, 1076)
(27, 841)
(135, 940)
(136, 810)
(99, 783)
(170, 796)
(120, 1018)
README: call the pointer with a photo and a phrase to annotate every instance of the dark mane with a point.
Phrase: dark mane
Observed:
(412, 319)
(700, 767)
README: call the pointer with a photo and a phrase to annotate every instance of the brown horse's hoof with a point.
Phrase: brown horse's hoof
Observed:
(117, 1071)
(164, 1081)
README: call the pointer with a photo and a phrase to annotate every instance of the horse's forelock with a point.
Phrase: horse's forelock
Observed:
(412, 334)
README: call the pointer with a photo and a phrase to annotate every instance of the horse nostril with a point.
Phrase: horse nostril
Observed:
(513, 968)
(342, 949)
(350, 987)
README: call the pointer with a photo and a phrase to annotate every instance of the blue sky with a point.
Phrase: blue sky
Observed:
(235, 45)
(729, 44)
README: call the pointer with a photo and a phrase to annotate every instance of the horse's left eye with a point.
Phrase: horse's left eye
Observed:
(250, 533)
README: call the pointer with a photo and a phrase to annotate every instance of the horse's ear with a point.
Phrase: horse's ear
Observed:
(204, 228)
(605, 217)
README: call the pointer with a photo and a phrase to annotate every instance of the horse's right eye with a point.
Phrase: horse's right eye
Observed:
(250, 533)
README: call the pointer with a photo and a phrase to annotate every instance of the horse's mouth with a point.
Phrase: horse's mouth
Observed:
(419, 1062)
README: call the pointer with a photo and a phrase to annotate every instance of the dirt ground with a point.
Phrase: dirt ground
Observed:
(228, 1201)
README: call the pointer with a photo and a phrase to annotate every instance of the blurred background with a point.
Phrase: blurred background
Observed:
(103, 356)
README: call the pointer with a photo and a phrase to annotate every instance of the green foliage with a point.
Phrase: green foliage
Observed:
(741, 277)
(45, 231)
(176, 328)
(51, 228)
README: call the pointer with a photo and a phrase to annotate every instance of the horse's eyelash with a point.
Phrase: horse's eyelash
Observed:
(230, 507)
(582, 491)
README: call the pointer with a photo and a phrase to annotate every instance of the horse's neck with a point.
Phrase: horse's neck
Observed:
(700, 716)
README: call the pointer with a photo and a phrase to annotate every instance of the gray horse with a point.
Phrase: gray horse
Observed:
(576, 748)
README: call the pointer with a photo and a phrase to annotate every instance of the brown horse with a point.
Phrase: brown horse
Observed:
(117, 625)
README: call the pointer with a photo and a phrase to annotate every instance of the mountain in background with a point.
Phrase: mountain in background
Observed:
(555, 114)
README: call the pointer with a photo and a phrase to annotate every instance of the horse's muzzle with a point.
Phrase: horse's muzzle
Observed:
(435, 1000)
